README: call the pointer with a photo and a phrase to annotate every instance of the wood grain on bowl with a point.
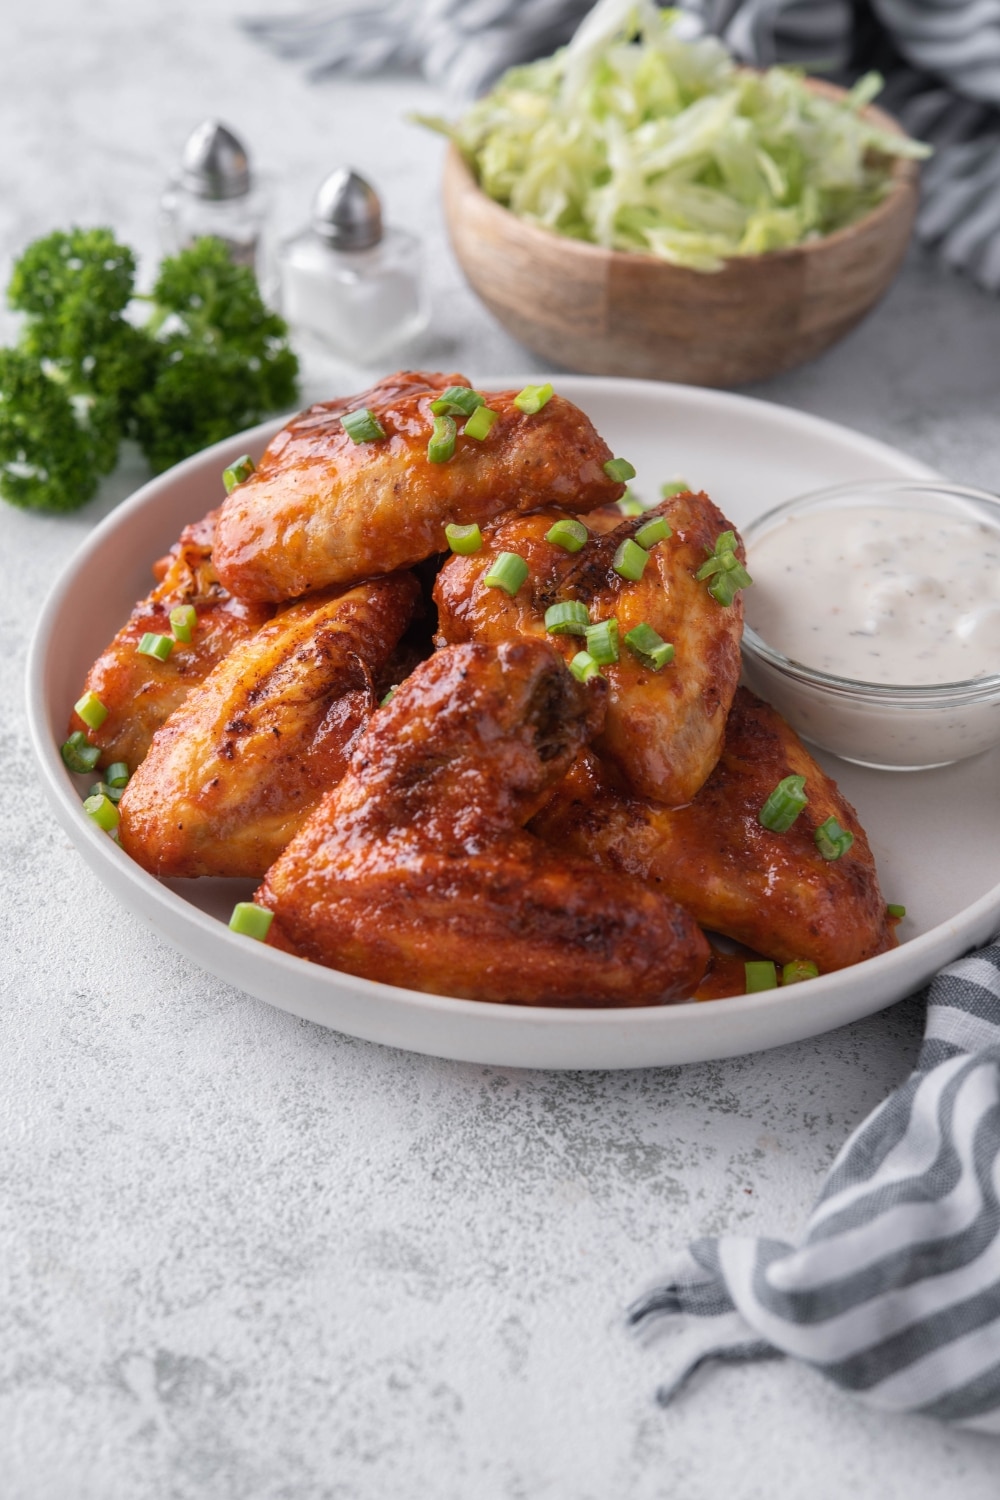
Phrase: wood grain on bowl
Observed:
(613, 312)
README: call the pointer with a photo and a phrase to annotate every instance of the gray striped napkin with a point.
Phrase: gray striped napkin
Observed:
(894, 1291)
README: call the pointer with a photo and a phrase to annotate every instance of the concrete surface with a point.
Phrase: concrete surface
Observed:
(243, 1258)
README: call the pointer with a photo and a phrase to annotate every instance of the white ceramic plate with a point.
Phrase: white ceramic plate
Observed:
(936, 834)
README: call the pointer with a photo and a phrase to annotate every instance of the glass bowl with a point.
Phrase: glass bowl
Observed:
(888, 726)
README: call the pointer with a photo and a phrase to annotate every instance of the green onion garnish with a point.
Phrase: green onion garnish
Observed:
(783, 805)
(895, 911)
(727, 573)
(567, 618)
(650, 647)
(568, 534)
(250, 920)
(798, 970)
(480, 424)
(630, 560)
(159, 646)
(78, 753)
(602, 641)
(457, 398)
(761, 974)
(630, 504)
(584, 667)
(101, 789)
(508, 573)
(831, 840)
(103, 811)
(619, 469)
(387, 699)
(654, 531)
(362, 426)
(442, 444)
(183, 621)
(674, 487)
(117, 775)
(464, 539)
(532, 399)
(237, 472)
(91, 710)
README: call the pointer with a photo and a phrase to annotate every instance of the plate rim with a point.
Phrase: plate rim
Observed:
(165, 907)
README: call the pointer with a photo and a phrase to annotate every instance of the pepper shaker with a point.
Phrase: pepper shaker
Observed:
(215, 193)
(352, 283)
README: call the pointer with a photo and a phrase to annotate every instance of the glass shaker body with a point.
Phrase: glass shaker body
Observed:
(359, 303)
(240, 222)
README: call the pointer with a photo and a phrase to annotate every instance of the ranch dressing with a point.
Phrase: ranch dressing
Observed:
(880, 594)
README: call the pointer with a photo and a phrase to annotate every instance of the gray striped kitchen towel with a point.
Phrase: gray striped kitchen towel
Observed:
(893, 1292)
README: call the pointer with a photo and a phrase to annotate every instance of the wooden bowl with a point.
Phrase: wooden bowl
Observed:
(612, 312)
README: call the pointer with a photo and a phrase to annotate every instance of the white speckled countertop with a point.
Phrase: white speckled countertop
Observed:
(243, 1258)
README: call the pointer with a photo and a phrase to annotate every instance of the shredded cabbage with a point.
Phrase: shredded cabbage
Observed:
(639, 137)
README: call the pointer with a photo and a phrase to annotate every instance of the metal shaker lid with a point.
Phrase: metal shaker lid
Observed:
(214, 163)
(346, 211)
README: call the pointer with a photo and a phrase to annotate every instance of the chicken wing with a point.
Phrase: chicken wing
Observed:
(664, 728)
(772, 891)
(236, 770)
(415, 870)
(323, 509)
(140, 692)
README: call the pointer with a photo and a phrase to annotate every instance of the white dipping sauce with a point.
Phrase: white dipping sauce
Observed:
(879, 594)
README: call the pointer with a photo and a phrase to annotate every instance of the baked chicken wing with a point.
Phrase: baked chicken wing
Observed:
(140, 692)
(238, 767)
(773, 892)
(322, 509)
(415, 870)
(665, 727)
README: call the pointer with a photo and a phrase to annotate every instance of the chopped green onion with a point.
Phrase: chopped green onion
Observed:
(831, 840)
(508, 573)
(654, 531)
(91, 710)
(101, 789)
(727, 573)
(798, 970)
(457, 398)
(103, 811)
(895, 911)
(674, 487)
(568, 618)
(159, 646)
(533, 398)
(183, 621)
(602, 641)
(250, 920)
(78, 753)
(568, 534)
(442, 444)
(619, 469)
(761, 974)
(783, 805)
(630, 504)
(650, 647)
(362, 426)
(630, 560)
(117, 774)
(480, 424)
(384, 702)
(584, 667)
(237, 472)
(464, 539)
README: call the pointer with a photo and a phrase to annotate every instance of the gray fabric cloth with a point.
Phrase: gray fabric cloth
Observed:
(941, 60)
(893, 1292)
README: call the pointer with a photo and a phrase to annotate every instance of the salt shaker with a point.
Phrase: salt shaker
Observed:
(353, 284)
(215, 193)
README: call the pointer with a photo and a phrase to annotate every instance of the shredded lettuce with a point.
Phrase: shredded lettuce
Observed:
(638, 136)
